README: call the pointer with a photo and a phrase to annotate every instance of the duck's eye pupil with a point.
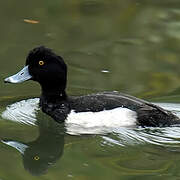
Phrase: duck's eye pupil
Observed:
(41, 63)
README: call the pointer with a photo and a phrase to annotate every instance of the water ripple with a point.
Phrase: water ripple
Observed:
(25, 111)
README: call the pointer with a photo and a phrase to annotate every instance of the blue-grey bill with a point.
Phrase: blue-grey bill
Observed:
(17, 145)
(21, 76)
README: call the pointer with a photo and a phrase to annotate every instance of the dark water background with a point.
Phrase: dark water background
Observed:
(130, 46)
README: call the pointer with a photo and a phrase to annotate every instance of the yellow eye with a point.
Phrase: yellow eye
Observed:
(41, 63)
(36, 158)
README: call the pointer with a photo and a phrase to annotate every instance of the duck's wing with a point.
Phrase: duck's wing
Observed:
(105, 101)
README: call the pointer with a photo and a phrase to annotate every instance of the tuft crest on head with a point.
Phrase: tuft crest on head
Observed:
(41, 53)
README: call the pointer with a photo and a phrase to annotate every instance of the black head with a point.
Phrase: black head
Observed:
(45, 67)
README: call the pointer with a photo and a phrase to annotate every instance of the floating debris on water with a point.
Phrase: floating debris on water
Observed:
(31, 21)
(105, 71)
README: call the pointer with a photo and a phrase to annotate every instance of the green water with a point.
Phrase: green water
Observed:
(130, 46)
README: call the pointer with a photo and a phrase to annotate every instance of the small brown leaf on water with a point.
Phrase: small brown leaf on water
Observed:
(31, 21)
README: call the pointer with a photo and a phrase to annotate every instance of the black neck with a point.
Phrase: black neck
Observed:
(54, 96)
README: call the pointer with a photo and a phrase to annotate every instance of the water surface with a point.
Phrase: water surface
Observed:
(130, 46)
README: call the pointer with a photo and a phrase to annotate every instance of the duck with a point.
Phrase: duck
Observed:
(49, 69)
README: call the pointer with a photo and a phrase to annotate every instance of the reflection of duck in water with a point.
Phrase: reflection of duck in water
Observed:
(43, 152)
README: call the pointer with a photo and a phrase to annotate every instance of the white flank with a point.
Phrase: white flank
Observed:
(99, 122)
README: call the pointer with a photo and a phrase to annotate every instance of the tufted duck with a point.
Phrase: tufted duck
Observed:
(50, 70)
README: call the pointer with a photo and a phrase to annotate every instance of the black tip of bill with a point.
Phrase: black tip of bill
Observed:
(6, 80)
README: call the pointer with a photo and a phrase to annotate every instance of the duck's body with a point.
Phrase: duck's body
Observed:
(147, 114)
(50, 71)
